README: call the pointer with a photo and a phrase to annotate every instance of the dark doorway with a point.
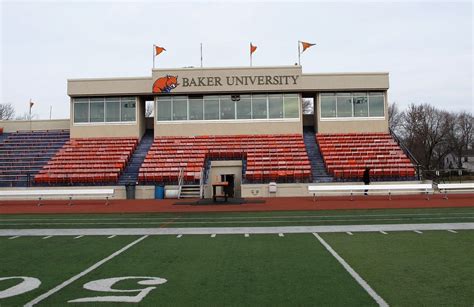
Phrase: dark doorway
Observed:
(230, 179)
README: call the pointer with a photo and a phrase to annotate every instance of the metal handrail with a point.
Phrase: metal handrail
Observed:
(407, 152)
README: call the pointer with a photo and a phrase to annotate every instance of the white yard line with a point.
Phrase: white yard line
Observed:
(179, 236)
(76, 277)
(47, 237)
(380, 301)
(281, 235)
(78, 237)
(112, 236)
(213, 235)
(453, 231)
(349, 233)
(234, 230)
(417, 231)
(383, 232)
(13, 238)
(247, 235)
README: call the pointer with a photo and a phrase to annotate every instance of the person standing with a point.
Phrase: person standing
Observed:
(366, 178)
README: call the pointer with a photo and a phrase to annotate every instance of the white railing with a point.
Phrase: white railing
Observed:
(180, 181)
(201, 183)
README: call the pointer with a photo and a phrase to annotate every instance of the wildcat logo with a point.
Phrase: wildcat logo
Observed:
(165, 84)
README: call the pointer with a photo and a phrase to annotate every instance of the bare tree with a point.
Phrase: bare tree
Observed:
(308, 106)
(461, 135)
(6, 111)
(394, 117)
(149, 109)
(425, 130)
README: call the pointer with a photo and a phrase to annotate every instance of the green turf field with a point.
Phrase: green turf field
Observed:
(281, 218)
(433, 268)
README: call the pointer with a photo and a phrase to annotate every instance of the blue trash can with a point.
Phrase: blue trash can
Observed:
(159, 192)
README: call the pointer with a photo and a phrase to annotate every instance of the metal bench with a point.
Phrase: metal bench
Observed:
(69, 193)
(445, 187)
(389, 188)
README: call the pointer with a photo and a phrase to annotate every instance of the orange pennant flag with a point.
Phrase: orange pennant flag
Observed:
(306, 46)
(159, 50)
(252, 48)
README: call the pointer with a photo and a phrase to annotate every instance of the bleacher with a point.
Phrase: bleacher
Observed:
(24, 153)
(347, 155)
(280, 158)
(88, 161)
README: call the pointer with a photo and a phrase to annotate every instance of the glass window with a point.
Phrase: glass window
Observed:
(244, 106)
(344, 105)
(180, 108)
(164, 108)
(195, 108)
(211, 107)
(259, 106)
(227, 107)
(112, 109)
(328, 105)
(275, 106)
(361, 106)
(81, 110)
(376, 104)
(128, 106)
(291, 104)
(97, 110)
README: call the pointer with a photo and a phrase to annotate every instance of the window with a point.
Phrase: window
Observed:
(376, 104)
(291, 103)
(259, 106)
(275, 106)
(81, 110)
(244, 106)
(128, 106)
(112, 109)
(227, 107)
(344, 104)
(211, 107)
(196, 108)
(164, 108)
(361, 107)
(328, 104)
(360, 104)
(97, 110)
(180, 108)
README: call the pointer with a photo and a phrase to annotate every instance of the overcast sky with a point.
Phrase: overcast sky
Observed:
(427, 47)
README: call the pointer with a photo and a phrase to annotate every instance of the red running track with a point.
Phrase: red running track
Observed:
(270, 204)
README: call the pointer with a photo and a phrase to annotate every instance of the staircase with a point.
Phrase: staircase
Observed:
(190, 191)
(130, 174)
(318, 170)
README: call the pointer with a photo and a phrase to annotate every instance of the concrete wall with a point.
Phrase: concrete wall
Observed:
(119, 193)
(227, 128)
(43, 124)
(109, 86)
(344, 81)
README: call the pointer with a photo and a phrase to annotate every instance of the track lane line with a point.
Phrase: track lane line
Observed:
(377, 298)
(83, 273)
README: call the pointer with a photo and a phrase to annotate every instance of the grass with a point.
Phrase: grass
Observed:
(435, 268)
(406, 269)
(286, 218)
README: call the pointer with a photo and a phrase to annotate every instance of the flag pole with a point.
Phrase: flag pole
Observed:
(50, 111)
(299, 53)
(153, 56)
(250, 54)
(201, 55)
(30, 113)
